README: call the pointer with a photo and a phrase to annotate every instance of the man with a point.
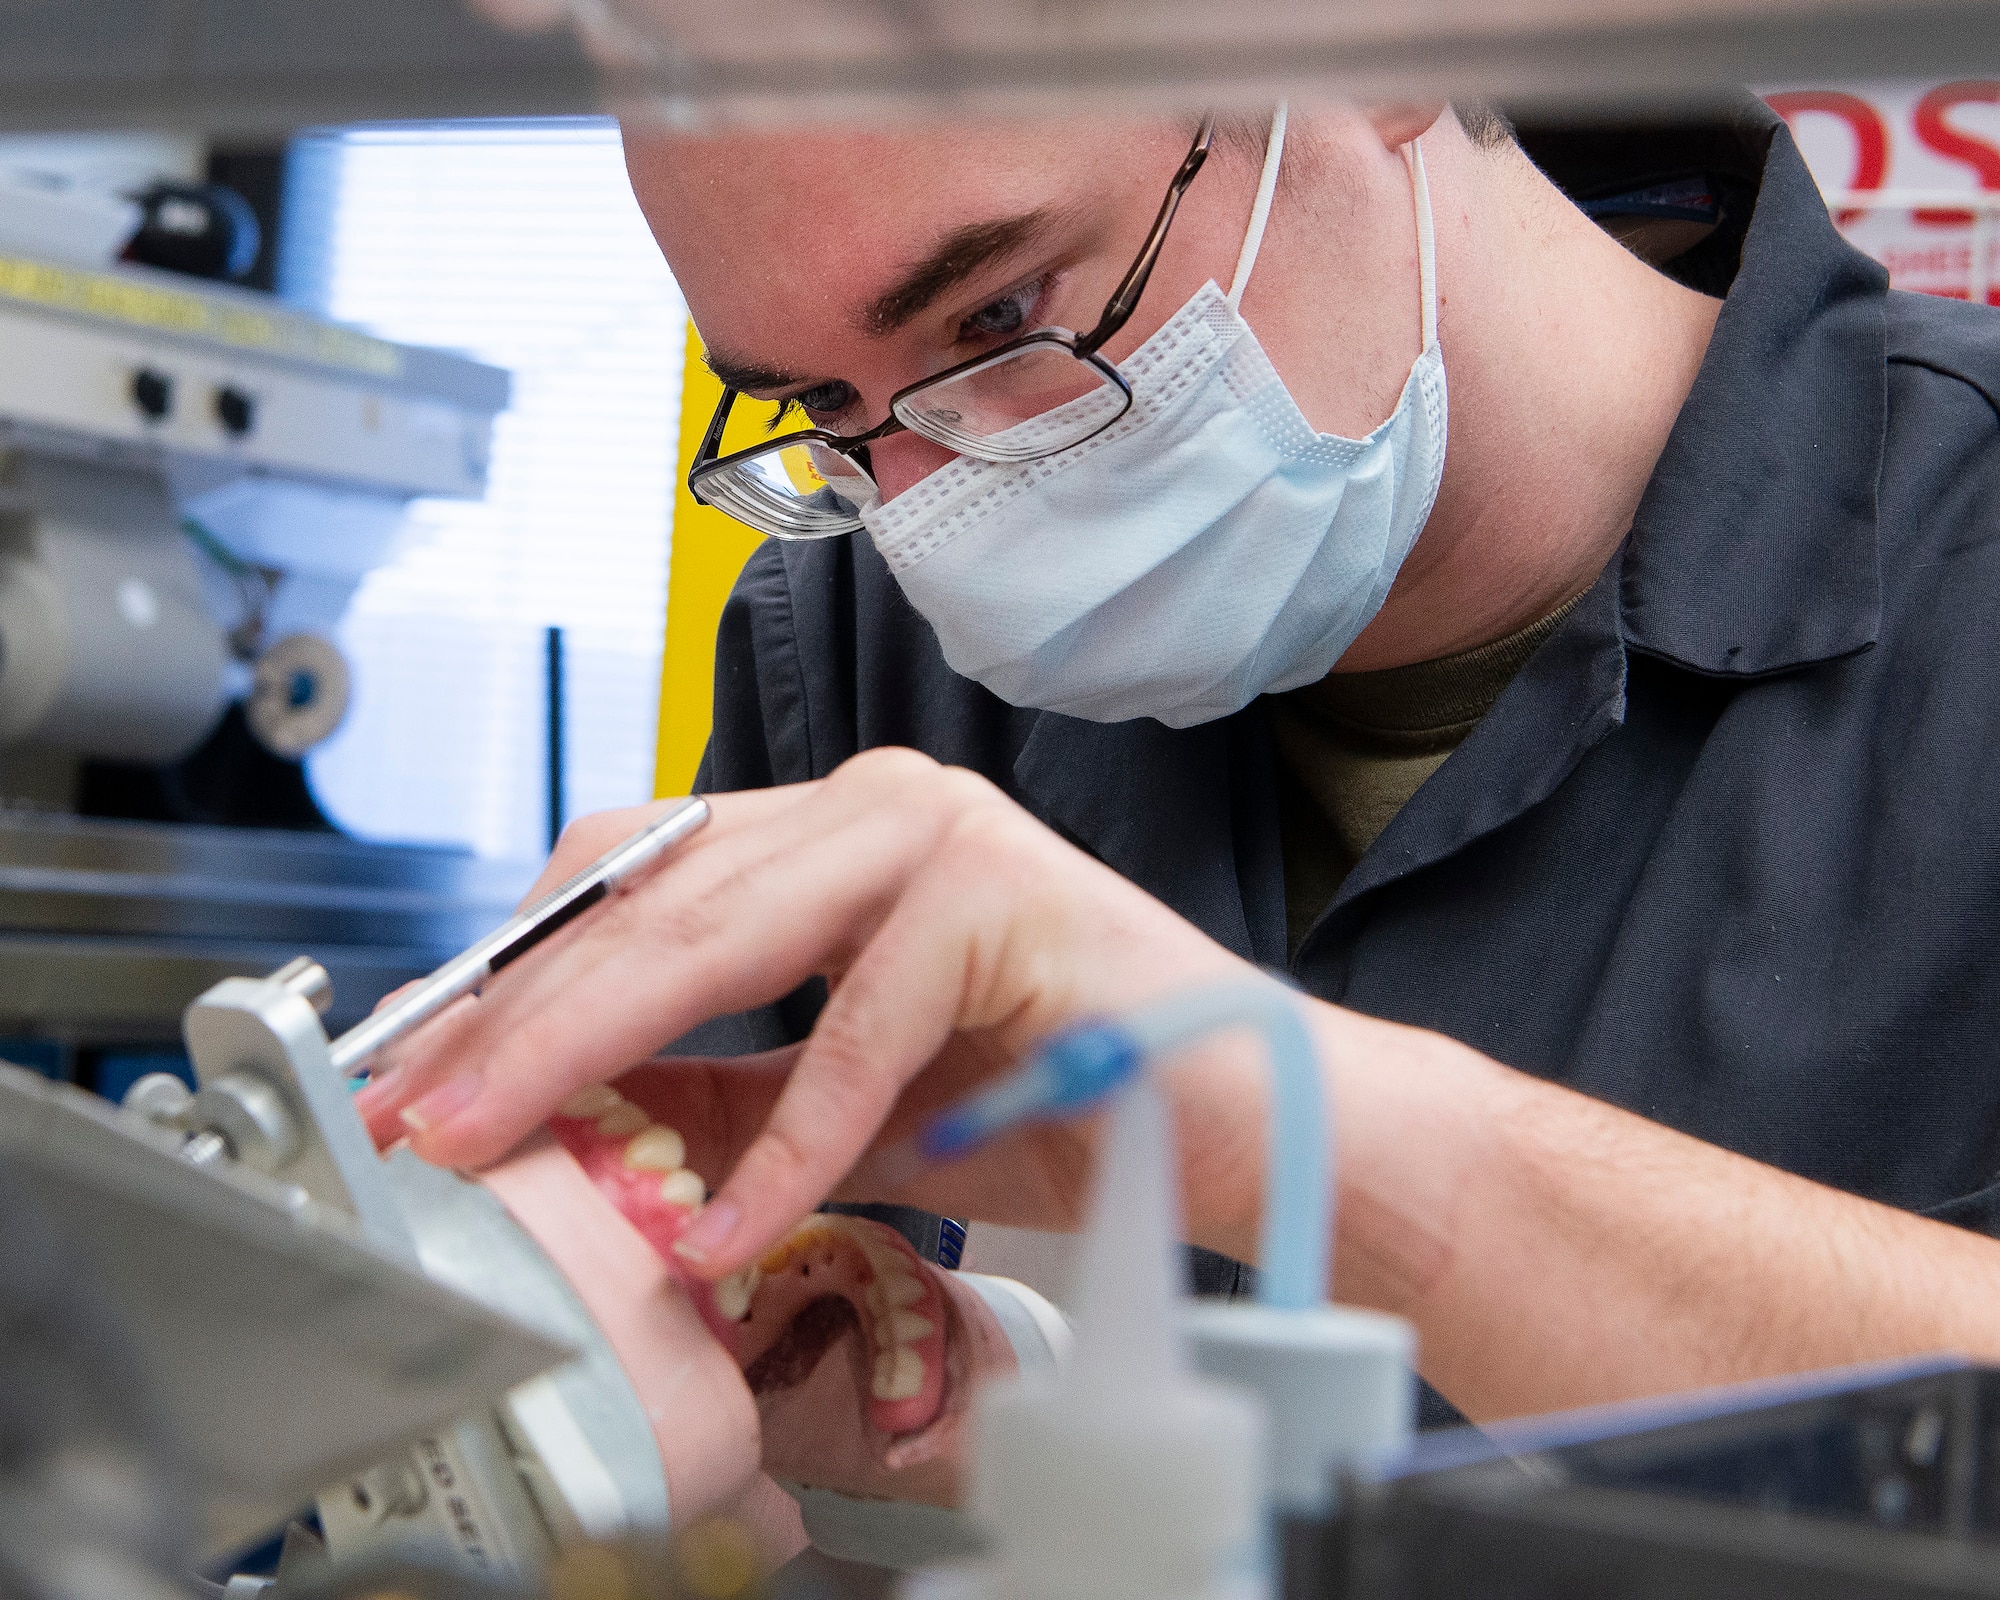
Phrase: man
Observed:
(1652, 760)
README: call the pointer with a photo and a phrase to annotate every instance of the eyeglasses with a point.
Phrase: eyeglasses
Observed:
(1032, 397)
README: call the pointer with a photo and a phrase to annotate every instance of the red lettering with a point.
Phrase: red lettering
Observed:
(1935, 132)
(1871, 139)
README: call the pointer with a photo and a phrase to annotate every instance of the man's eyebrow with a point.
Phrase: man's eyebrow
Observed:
(748, 376)
(957, 257)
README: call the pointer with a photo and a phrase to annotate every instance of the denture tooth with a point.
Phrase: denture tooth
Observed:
(657, 1149)
(683, 1188)
(909, 1327)
(733, 1294)
(900, 1289)
(622, 1120)
(872, 1298)
(593, 1100)
(901, 1327)
(899, 1374)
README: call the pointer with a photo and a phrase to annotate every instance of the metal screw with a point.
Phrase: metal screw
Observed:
(391, 1490)
(252, 1117)
(205, 1149)
(306, 978)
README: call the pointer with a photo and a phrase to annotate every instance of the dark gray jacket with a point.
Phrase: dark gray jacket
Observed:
(1726, 853)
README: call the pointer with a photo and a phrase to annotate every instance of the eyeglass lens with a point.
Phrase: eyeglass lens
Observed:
(1024, 403)
(800, 490)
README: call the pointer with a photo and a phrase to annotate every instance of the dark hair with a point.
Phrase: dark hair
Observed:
(1484, 124)
(1245, 136)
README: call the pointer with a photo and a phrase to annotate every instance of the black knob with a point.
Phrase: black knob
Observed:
(152, 392)
(235, 410)
(198, 228)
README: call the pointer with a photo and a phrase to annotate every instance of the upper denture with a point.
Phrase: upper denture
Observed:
(639, 1164)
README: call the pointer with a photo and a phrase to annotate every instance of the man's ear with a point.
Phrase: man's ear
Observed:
(1399, 121)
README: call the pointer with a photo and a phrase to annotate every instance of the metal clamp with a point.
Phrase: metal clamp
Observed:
(493, 1490)
(270, 1097)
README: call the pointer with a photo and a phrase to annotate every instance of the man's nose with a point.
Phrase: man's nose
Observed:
(902, 459)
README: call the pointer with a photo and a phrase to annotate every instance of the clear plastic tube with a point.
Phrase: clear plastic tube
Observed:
(1076, 1069)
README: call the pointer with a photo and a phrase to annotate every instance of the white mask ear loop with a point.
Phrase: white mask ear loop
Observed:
(1427, 289)
(1260, 212)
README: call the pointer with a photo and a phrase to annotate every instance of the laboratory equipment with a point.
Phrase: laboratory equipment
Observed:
(1869, 1482)
(281, 1347)
(194, 477)
(1336, 1382)
(264, 65)
(559, 1460)
(1130, 1475)
(498, 1489)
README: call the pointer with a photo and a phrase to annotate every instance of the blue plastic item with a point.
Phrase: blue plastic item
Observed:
(1077, 1069)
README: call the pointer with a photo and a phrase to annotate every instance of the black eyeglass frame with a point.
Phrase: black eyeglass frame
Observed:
(1117, 312)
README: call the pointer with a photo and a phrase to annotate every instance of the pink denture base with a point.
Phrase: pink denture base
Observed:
(638, 1165)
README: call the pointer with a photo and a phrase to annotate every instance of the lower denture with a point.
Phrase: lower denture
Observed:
(639, 1165)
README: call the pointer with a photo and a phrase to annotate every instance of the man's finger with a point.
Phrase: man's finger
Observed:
(724, 931)
(896, 1008)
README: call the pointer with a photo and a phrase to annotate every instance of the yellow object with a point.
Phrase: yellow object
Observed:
(717, 1559)
(709, 550)
(148, 305)
(589, 1572)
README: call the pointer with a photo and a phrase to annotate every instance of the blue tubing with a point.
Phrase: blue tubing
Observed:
(1298, 1181)
(1072, 1071)
(1077, 1068)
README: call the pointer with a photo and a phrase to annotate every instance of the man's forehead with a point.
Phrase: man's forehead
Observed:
(867, 228)
(927, 177)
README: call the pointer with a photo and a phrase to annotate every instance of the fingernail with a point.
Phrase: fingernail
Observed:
(440, 1105)
(709, 1231)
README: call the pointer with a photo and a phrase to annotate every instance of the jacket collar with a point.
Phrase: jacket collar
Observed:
(1163, 807)
(1754, 547)
(1753, 552)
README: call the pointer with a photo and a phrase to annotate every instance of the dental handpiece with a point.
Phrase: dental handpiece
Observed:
(618, 869)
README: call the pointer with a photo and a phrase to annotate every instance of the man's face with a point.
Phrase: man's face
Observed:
(833, 269)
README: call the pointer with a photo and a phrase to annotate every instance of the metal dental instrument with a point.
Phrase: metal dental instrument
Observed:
(614, 871)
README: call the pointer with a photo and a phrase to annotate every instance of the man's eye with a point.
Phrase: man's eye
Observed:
(826, 400)
(1007, 315)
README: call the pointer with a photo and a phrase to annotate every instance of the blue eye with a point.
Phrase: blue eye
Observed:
(1007, 315)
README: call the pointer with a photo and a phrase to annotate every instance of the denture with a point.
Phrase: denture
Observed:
(781, 1314)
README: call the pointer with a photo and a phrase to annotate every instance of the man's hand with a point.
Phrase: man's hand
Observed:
(1552, 1250)
(954, 931)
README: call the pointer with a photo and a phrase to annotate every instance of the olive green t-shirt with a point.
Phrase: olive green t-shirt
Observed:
(1353, 747)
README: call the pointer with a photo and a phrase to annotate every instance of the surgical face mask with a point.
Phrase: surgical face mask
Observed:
(1207, 548)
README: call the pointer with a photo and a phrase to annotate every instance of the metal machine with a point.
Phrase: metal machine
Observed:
(1876, 1483)
(193, 479)
(313, 1323)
